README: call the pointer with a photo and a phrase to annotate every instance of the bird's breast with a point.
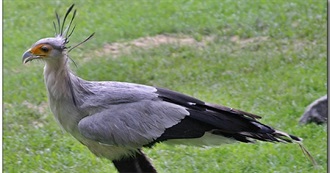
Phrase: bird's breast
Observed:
(66, 114)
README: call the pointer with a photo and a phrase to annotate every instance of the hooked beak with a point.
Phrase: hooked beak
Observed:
(28, 56)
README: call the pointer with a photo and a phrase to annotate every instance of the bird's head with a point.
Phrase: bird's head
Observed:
(53, 48)
(46, 48)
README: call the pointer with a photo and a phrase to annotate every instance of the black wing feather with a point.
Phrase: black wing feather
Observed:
(219, 120)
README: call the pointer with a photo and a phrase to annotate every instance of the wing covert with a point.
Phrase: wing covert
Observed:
(132, 124)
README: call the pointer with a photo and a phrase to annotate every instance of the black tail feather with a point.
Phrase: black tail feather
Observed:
(220, 120)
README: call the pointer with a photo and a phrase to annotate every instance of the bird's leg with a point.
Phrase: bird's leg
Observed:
(145, 163)
(135, 164)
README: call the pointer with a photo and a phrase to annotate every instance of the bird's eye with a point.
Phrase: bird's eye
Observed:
(44, 49)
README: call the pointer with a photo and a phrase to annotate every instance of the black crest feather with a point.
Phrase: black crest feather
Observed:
(67, 32)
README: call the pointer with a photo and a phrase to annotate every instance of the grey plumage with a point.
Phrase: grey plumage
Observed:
(116, 119)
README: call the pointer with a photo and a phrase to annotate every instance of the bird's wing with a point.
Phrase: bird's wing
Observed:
(220, 120)
(138, 115)
(132, 124)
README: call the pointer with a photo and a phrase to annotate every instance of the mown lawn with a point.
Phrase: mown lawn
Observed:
(264, 57)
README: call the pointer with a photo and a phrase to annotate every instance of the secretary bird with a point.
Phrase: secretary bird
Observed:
(115, 120)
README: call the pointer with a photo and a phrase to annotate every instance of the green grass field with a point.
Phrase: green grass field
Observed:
(264, 57)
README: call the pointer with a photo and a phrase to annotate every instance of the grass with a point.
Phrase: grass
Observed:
(275, 78)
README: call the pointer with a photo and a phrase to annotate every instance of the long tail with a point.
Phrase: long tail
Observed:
(275, 136)
(284, 137)
(307, 154)
(222, 121)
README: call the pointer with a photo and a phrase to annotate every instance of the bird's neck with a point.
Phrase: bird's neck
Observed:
(57, 78)
(62, 87)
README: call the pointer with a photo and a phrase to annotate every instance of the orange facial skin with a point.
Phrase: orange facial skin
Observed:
(41, 50)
